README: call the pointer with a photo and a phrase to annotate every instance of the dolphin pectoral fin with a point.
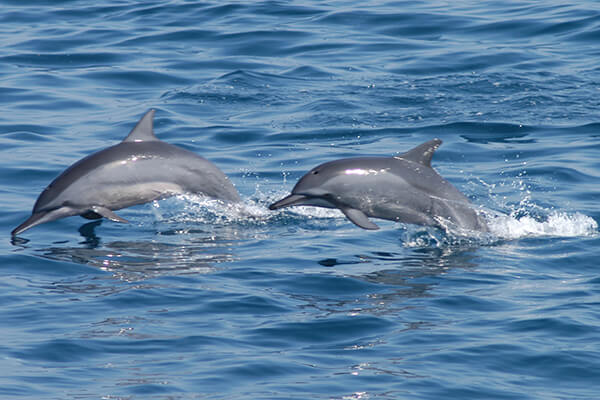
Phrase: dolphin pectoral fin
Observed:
(108, 214)
(359, 218)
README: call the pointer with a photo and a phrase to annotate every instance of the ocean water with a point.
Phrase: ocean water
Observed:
(197, 300)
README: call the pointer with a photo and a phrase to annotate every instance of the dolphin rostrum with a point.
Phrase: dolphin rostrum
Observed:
(139, 169)
(403, 188)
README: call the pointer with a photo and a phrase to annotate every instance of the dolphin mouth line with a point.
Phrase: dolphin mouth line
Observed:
(288, 201)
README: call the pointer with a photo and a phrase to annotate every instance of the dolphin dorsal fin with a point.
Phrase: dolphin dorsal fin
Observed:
(143, 131)
(422, 153)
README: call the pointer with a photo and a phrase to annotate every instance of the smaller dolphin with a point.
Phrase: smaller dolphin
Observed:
(138, 170)
(403, 188)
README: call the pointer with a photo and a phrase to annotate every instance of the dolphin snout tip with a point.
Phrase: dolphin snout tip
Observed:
(33, 220)
(279, 204)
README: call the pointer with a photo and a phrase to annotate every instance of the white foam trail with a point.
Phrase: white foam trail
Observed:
(560, 224)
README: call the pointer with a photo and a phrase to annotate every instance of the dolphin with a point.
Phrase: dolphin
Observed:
(138, 170)
(403, 188)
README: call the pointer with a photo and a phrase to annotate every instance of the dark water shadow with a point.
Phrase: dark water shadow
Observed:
(394, 278)
(88, 232)
(405, 270)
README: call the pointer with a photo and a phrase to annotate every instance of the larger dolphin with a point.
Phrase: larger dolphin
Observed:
(139, 169)
(403, 188)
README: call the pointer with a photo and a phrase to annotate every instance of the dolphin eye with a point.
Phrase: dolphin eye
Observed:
(315, 172)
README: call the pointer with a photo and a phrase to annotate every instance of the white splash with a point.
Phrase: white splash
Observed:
(525, 219)
(202, 209)
(557, 223)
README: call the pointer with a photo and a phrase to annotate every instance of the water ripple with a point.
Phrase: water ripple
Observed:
(194, 295)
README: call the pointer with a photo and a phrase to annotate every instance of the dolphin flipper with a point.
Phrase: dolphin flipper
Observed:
(108, 214)
(358, 218)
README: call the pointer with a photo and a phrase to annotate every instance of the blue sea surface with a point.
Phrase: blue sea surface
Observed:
(198, 300)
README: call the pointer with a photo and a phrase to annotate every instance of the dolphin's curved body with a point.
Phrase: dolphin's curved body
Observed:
(403, 188)
(139, 169)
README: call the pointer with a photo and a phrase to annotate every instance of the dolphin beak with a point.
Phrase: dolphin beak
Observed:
(290, 200)
(43, 217)
(35, 219)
